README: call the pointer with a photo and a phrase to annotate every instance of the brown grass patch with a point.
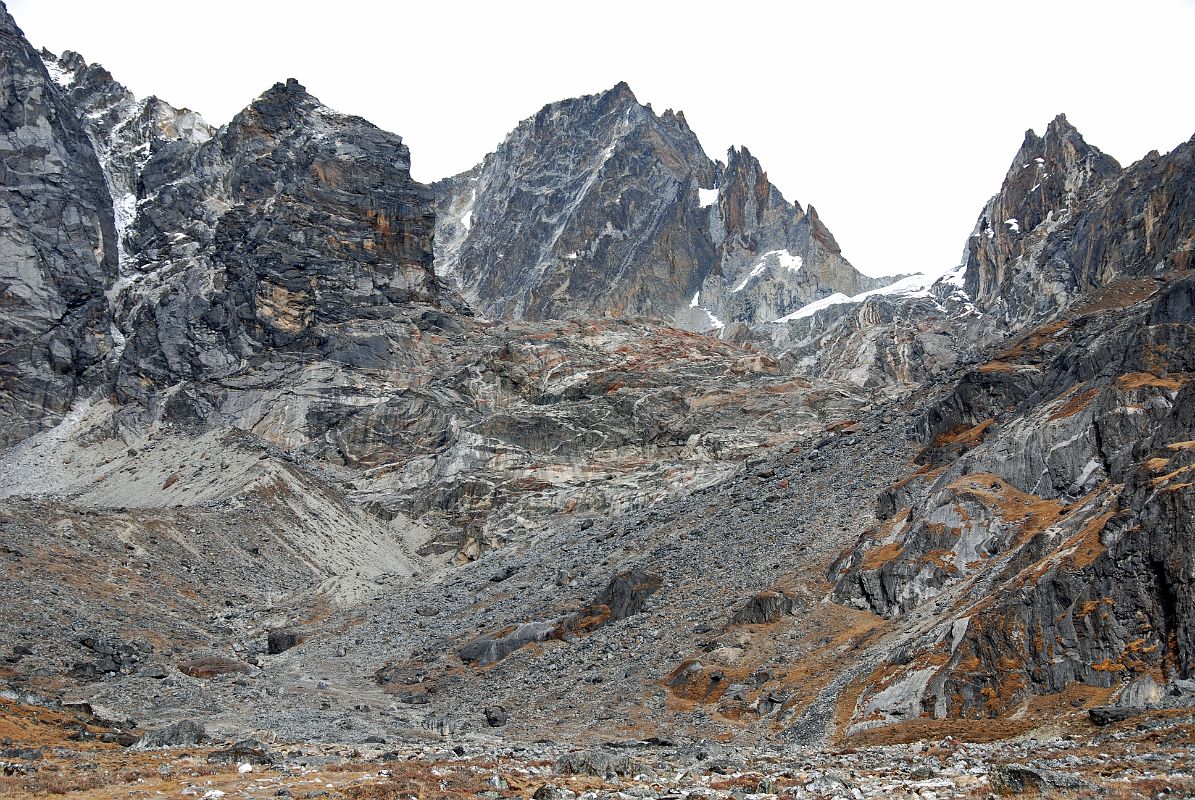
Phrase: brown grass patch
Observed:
(962, 435)
(879, 556)
(1032, 514)
(1159, 480)
(1115, 296)
(1138, 380)
(1086, 543)
(965, 730)
(1078, 402)
(1157, 464)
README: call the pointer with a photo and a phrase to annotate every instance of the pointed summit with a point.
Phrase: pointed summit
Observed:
(1050, 176)
(282, 103)
(621, 91)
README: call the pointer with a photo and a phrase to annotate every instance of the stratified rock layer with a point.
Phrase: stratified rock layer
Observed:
(1048, 520)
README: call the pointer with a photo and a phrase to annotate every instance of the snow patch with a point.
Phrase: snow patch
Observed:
(956, 276)
(696, 300)
(58, 74)
(707, 197)
(755, 272)
(782, 258)
(467, 220)
(1013, 224)
(912, 286)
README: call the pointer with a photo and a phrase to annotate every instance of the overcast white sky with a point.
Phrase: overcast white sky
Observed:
(897, 120)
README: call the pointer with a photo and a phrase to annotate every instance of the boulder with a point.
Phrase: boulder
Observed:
(211, 666)
(490, 648)
(597, 763)
(1013, 779)
(187, 733)
(1110, 715)
(764, 608)
(496, 716)
(279, 641)
(246, 751)
(1142, 692)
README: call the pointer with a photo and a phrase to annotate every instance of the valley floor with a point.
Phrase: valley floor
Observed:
(41, 755)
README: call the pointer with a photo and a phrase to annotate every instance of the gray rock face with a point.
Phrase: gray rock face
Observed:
(884, 341)
(772, 258)
(187, 733)
(1047, 522)
(597, 206)
(58, 252)
(293, 229)
(1068, 219)
(123, 129)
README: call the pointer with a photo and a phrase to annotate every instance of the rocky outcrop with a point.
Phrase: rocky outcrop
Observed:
(1068, 219)
(625, 595)
(598, 206)
(890, 340)
(589, 206)
(294, 229)
(1046, 521)
(772, 258)
(58, 248)
(123, 130)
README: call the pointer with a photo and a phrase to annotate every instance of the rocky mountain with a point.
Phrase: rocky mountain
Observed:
(58, 253)
(1042, 523)
(598, 206)
(601, 441)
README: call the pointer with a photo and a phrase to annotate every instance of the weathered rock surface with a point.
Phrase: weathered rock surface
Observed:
(58, 248)
(1044, 523)
(598, 206)
(294, 229)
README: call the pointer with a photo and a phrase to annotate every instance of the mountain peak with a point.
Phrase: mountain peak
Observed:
(289, 91)
(622, 91)
(8, 25)
(283, 105)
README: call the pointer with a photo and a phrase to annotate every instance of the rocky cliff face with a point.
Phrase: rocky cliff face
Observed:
(58, 247)
(598, 205)
(1068, 219)
(293, 229)
(1042, 523)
